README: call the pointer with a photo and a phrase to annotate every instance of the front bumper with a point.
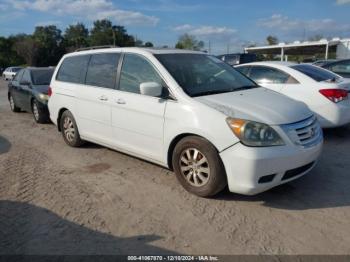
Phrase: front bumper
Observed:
(252, 170)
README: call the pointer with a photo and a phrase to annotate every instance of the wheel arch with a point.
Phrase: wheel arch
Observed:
(60, 113)
(176, 140)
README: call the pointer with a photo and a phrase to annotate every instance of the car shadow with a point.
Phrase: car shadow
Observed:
(5, 145)
(326, 186)
(28, 229)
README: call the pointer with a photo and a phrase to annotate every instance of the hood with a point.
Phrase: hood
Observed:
(258, 104)
(41, 88)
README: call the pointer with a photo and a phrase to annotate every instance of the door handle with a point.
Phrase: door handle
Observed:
(120, 101)
(103, 98)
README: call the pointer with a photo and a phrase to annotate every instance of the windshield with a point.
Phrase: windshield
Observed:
(200, 74)
(317, 74)
(42, 76)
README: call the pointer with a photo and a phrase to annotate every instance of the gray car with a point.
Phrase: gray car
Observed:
(28, 91)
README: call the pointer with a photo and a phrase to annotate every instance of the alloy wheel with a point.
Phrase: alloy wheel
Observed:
(68, 129)
(12, 103)
(194, 167)
(36, 111)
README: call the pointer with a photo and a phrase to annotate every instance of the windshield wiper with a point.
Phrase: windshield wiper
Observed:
(245, 88)
(212, 92)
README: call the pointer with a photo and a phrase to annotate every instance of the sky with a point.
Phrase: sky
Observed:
(224, 25)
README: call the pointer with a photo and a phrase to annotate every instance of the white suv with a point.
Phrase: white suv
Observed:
(187, 111)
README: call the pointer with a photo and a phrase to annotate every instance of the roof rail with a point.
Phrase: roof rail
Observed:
(95, 47)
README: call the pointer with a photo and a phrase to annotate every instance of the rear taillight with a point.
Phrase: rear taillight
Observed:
(49, 93)
(335, 95)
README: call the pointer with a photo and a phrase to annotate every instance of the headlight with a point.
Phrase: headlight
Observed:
(43, 97)
(254, 134)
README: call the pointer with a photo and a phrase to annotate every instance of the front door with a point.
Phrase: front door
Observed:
(138, 120)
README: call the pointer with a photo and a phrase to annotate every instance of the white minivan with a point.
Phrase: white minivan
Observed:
(187, 111)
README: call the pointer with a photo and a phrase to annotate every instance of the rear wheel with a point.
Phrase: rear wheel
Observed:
(40, 116)
(198, 166)
(13, 106)
(70, 130)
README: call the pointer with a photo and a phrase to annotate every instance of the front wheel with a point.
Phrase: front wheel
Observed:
(70, 130)
(40, 116)
(198, 166)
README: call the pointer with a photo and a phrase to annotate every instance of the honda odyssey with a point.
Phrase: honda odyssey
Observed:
(187, 111)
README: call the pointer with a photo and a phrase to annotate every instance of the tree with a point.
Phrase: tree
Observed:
(28, 49)
(51, 49)
(149, 44)
(272, 40)
(104, 33)
(123, 38)
(138, 43)
(76, 36)
(190, 42)
(8, 56)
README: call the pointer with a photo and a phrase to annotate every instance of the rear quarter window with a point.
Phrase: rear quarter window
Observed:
(73, 69)
(317, 74)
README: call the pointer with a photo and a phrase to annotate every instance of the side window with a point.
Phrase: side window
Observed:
(243, 69)
(26, 76)
(19, 75)
(73, 69)
(341, 67)
(136, 70)
(102, 70)
(267, 75)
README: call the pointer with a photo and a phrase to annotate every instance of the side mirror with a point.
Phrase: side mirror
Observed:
(151, 89)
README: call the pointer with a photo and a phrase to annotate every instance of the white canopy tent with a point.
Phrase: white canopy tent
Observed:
(340, 46)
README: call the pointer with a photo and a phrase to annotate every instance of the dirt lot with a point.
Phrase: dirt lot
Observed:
(58, 200)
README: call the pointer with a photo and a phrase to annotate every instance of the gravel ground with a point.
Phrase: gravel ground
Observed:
(59, 200)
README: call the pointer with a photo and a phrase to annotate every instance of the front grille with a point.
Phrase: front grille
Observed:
(305, 133)
(297, 171)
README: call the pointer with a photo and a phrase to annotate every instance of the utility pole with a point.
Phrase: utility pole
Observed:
(113, 36)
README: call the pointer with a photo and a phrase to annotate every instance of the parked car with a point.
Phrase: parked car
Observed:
(340, 67)
(187, 111)
(236, 59)
(323, 62)
(29, 92)
(324, 92)
(10, 72)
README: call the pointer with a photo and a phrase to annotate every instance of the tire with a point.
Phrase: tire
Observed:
(39, 115)
(13, 106)
(198, 166)
(70, 130)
